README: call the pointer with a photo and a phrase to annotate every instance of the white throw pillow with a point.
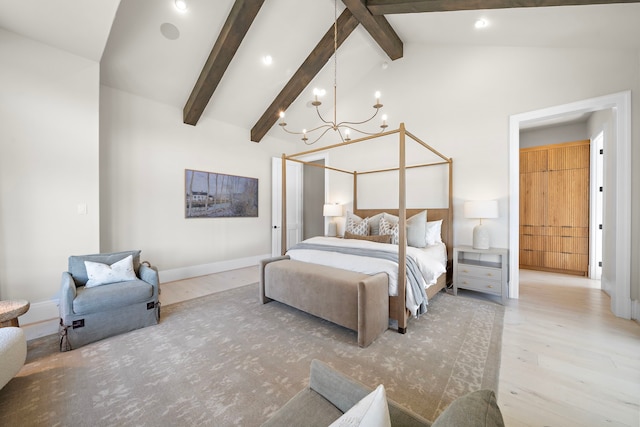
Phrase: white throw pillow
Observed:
(103, 274)
(433, 234)
(371, 411)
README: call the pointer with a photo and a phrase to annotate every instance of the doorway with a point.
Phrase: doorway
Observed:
(296, 197)
(617, 202)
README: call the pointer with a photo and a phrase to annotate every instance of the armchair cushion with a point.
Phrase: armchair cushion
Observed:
(102, 298)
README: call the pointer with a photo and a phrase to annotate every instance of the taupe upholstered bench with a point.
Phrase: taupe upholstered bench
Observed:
(357, 301)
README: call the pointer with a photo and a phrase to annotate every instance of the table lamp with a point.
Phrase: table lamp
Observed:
(332, 210)
(481, 209)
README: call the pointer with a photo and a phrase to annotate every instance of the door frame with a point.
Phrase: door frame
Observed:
(621, 105)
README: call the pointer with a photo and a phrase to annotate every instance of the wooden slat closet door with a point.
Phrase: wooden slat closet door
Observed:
(554, 207)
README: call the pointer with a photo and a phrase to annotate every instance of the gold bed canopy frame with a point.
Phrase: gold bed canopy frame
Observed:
(402, 209)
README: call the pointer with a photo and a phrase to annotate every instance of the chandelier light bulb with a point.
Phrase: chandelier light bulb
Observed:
(282, 122)
(181, 5)
(378, 105)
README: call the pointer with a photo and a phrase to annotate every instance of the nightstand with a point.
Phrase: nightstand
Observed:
(481, 270)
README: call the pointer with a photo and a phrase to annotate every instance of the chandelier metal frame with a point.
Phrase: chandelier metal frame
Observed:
(343, 127)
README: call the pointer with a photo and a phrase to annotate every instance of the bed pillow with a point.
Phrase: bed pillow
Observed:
(103, 274)
(386, 228)
(357, 225)
(433, 233)
(416, 228)
(378, 239)
(374, 224)
(372, 410)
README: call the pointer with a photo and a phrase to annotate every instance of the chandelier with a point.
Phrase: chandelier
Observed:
(343, 128)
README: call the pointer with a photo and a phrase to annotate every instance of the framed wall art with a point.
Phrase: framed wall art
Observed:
(217, 195)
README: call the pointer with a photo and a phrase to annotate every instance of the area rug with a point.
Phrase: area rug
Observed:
(225, 360)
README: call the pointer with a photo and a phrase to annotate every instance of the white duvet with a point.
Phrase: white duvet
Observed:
(430, 260)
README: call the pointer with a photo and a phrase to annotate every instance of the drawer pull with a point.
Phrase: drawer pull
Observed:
(489, 286)
(489, 274)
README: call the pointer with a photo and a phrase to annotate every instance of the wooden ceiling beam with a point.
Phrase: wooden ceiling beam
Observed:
(387, 7)
(378, 27)
(233, 31)
(311, 66)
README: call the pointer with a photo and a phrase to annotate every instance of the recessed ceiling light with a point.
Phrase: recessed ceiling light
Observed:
(181, 5)
(481, 23)
(267, 60)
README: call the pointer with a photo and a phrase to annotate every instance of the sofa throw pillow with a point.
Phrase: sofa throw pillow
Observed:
(433, 233)
(371, 411)
(476, 409)
(359, 227)
(103, 274)
(378, 239)
(386, 228)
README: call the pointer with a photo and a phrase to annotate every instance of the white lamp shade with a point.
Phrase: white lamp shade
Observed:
(481, 209)
(332, 210)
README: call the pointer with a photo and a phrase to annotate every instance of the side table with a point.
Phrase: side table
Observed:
(10, 310)
(475, 270)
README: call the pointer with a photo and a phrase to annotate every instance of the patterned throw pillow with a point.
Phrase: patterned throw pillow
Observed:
(360, 228)
(387, 228)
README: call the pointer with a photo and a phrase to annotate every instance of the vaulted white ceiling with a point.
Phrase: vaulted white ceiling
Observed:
(136, 57)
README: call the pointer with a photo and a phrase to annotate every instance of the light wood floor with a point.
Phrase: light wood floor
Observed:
(566, 360)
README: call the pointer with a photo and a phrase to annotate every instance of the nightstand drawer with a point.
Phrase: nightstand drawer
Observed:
(480, 272)
(482, 285)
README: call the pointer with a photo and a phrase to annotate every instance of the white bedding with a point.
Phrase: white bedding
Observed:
(431, 261)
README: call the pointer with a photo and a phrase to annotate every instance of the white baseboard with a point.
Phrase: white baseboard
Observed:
(204, 269)
(42, 317)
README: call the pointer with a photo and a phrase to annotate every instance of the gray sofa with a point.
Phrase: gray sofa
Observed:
(331, 393)
(91, 314)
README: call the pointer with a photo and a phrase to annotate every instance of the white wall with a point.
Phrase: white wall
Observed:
(48, 166)
(554, 135)
(144, 151)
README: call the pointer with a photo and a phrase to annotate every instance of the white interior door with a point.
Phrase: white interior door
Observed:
(294, 205)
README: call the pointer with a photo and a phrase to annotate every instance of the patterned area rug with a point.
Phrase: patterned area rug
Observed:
(225, 360)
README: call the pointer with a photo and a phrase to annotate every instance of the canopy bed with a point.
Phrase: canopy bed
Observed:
(304, 284)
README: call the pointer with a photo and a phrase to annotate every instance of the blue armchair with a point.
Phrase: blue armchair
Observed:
(89, 314)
